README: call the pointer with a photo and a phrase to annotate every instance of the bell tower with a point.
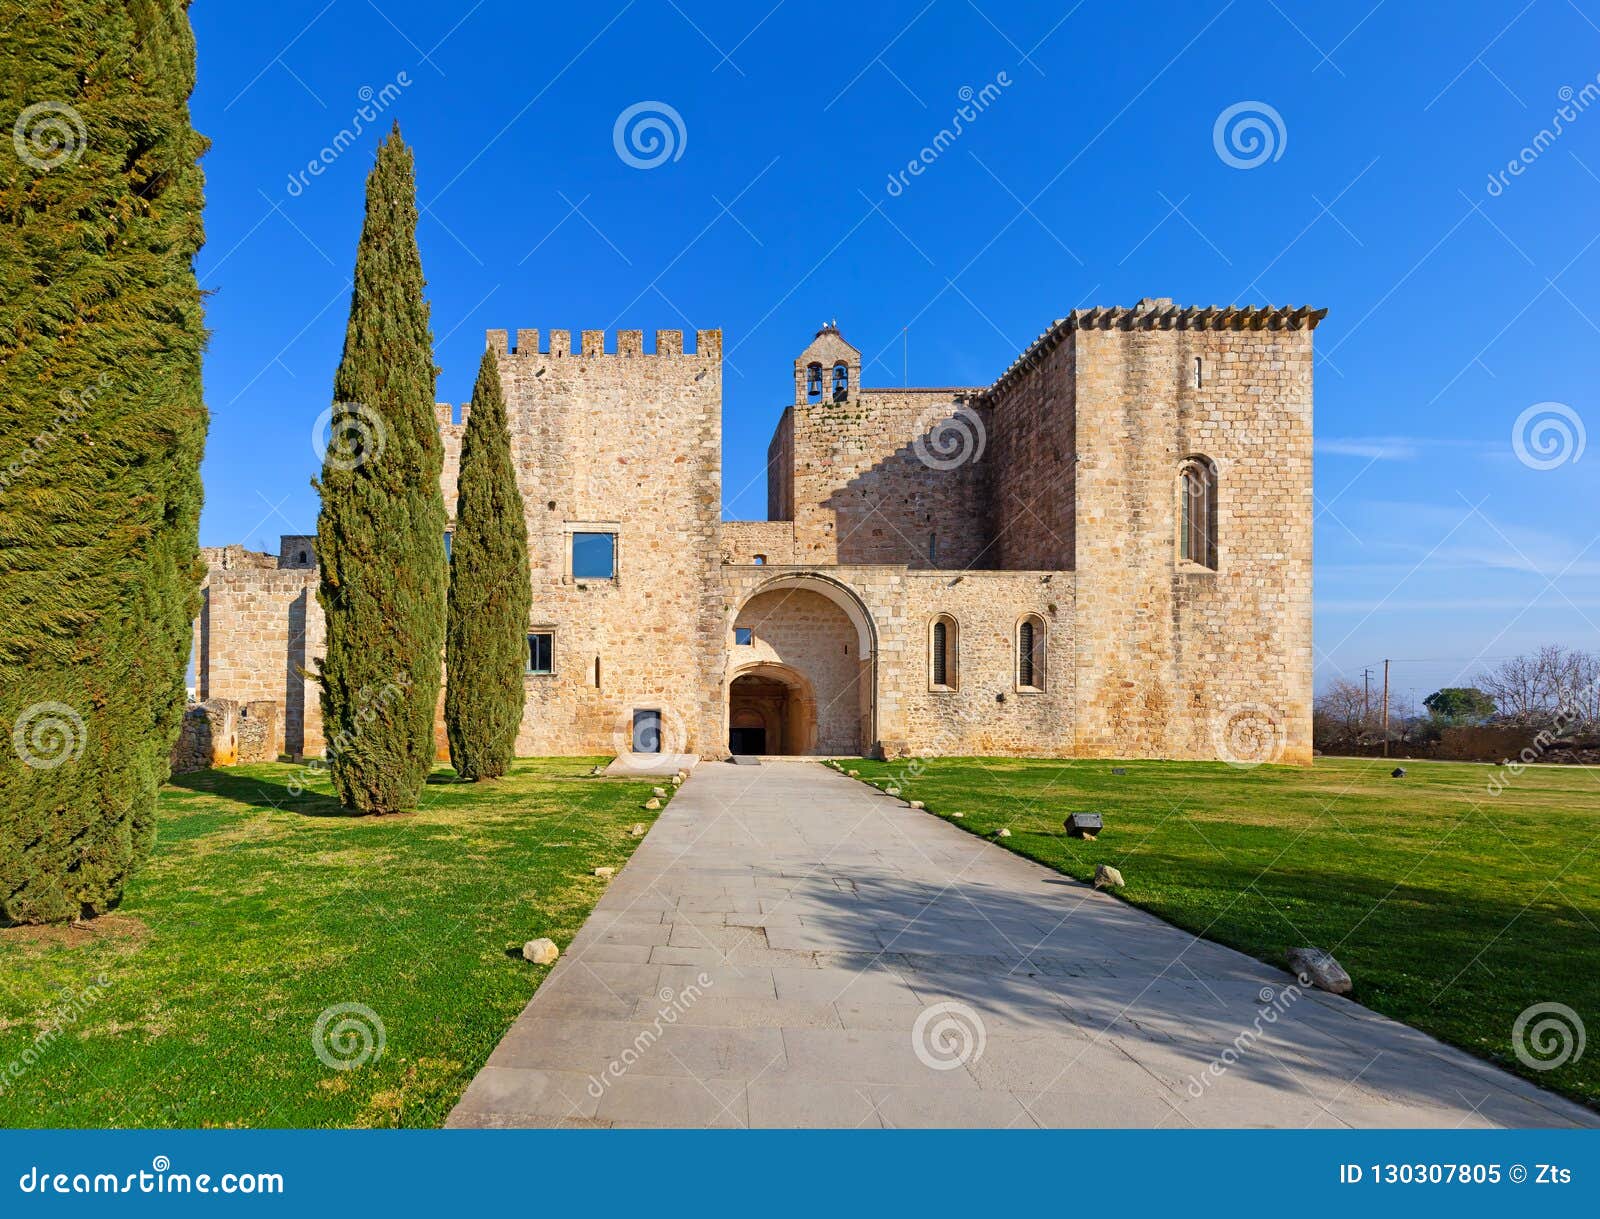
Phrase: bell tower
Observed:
(828, 370)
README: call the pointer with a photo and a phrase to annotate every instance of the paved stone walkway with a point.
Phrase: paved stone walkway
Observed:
(777, 951)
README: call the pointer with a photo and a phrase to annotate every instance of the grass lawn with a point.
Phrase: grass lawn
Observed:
(1453, 909)
(195, 1003)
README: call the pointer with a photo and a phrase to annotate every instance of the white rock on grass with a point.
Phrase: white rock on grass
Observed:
(540, 951)
(958, 816)
(891, 791)
(605, 873)
(659, 792)
(854, 774)
(652, 803)
(637, 831)
(1107, 877)
(915, 804)
(1003, 833)
(1318, 967)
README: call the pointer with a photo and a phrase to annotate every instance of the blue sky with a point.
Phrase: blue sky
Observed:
(1095, 174)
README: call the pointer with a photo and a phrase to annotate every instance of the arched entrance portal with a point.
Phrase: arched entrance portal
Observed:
(771, 709)
(801, 667)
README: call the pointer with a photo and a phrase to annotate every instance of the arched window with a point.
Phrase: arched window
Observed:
(1197, 512)
(841, 382)
(944, 657)
(1031, 653)
(813, 382)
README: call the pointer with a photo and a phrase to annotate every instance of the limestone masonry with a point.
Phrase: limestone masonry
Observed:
(1104, 553)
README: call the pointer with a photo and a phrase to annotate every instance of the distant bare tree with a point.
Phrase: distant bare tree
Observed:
(1339, 715)
(1540, 687)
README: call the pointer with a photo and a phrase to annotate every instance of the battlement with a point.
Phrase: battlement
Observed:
(592, 344)
(444, 415)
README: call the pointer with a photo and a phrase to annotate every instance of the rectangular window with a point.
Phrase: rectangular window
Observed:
(744, 636)
(541, 647)
(1198, 373)
(594, 556)
(447, 536)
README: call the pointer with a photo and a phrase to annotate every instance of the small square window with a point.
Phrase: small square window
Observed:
(594, 556)
(744, 636)
(541, 646)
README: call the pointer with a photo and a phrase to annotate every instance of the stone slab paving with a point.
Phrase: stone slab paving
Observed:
(789, 947)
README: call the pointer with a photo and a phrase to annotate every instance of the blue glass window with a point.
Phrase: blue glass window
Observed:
(594, 556)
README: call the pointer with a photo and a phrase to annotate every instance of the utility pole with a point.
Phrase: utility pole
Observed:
(1366, 697)
(1385, 708)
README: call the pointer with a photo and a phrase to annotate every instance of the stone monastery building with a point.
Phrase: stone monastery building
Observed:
(1104, 553)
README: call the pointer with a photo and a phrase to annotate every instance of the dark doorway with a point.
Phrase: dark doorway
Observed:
(747, 740)
(647, 732)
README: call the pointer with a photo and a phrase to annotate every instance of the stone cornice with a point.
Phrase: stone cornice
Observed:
(1158, 315)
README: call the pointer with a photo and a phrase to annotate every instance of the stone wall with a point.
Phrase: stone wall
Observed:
(809, 635)
(1173, 659)
(259, 629)
(208, 737)
(628, 443)
(888, 612)
(258, 732)
(985, 710)
(1052, 494)
(758, 541)
(883, 478)
(1033, 446)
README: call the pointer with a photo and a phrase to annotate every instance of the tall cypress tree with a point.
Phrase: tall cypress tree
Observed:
(102, 426)
(486, 641)
(380, 535)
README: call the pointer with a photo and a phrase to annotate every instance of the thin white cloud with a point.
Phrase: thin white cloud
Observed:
(1391, 448)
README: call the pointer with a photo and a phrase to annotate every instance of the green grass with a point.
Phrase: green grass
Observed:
(1453, 909)
(261, 909)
